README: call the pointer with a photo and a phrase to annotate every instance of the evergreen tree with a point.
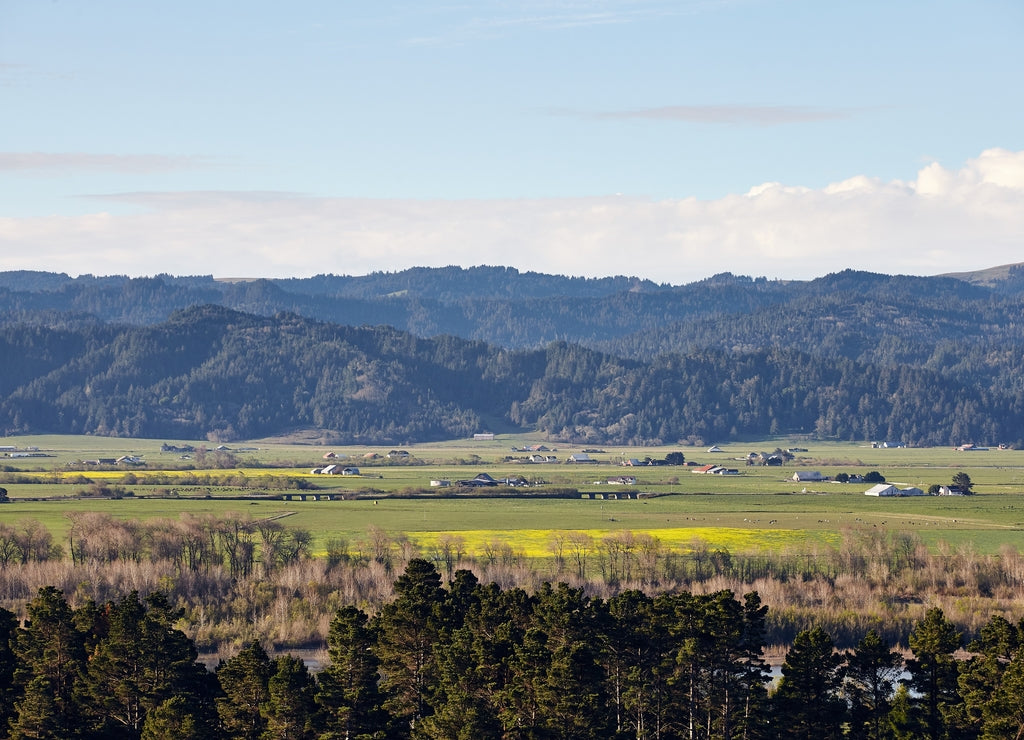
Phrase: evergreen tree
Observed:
(290, 708)
(1003, 714)
(244, 681)
(348, 695)
(139, 660)
(50, 659)
(172, 719)
(870, 681)
(409, 629)
(807, 702)
(570, 695)
(9, 691)
(982, 679)
(933, 672)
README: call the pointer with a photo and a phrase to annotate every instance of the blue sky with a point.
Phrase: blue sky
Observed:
(669, 140)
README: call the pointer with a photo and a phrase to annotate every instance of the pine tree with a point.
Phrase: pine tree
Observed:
(290, 709)
(137, 662)
(51, 657)
(9, 691)
(348, 695)
(244, 688)
(172, 719)
(409, 628)
(933, 671)
(983, 678)
(870, 680)
(807, 701)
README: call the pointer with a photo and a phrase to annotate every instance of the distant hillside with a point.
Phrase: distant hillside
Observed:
(210, 372)
(1005, 278)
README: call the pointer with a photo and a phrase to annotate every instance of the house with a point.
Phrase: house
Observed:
(706, 469)
(725, 471)
(773, 460)
(632, 463)
(580, 457)
(882, 489)
(542, 458)
(715, 448)
(953, 491)
(480, 481)
(622, 480)
(130, 460)
(350, 471)
(804, 476)
(398, 455)
(330, 455)
(440, 483)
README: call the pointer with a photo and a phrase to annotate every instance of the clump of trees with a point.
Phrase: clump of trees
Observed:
(473, 660)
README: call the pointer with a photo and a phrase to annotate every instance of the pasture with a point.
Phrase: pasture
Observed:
(758, 509)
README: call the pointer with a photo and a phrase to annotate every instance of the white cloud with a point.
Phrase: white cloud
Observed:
(943, 221)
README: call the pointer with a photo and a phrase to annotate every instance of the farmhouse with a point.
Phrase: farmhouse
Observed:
(803, 476)
(954, 491)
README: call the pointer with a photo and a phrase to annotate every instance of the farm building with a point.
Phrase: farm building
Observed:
(889, 490)
(883, 489)
(803, 476)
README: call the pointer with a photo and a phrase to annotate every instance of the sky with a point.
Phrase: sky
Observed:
(664, 139)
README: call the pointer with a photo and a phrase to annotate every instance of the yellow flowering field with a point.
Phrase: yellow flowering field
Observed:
(537, 543)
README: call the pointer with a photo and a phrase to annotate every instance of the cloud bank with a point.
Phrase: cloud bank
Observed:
(945, 220)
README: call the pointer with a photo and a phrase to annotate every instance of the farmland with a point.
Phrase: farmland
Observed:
(761, 508)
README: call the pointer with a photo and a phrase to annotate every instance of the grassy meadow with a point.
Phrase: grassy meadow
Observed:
(759, 509)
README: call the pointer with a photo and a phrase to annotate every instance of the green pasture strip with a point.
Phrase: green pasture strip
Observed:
(986, 522)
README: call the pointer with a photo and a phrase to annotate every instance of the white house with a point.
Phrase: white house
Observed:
(802, 476)
(882, 489)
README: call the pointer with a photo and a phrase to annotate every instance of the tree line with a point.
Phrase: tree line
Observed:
(472, 660)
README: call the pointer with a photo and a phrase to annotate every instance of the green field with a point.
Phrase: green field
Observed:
(762, 508)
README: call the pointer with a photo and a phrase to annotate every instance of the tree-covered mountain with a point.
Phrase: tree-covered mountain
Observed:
(221, 374)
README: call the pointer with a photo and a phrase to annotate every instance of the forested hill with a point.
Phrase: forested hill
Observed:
(210, 372)
(867, 317)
